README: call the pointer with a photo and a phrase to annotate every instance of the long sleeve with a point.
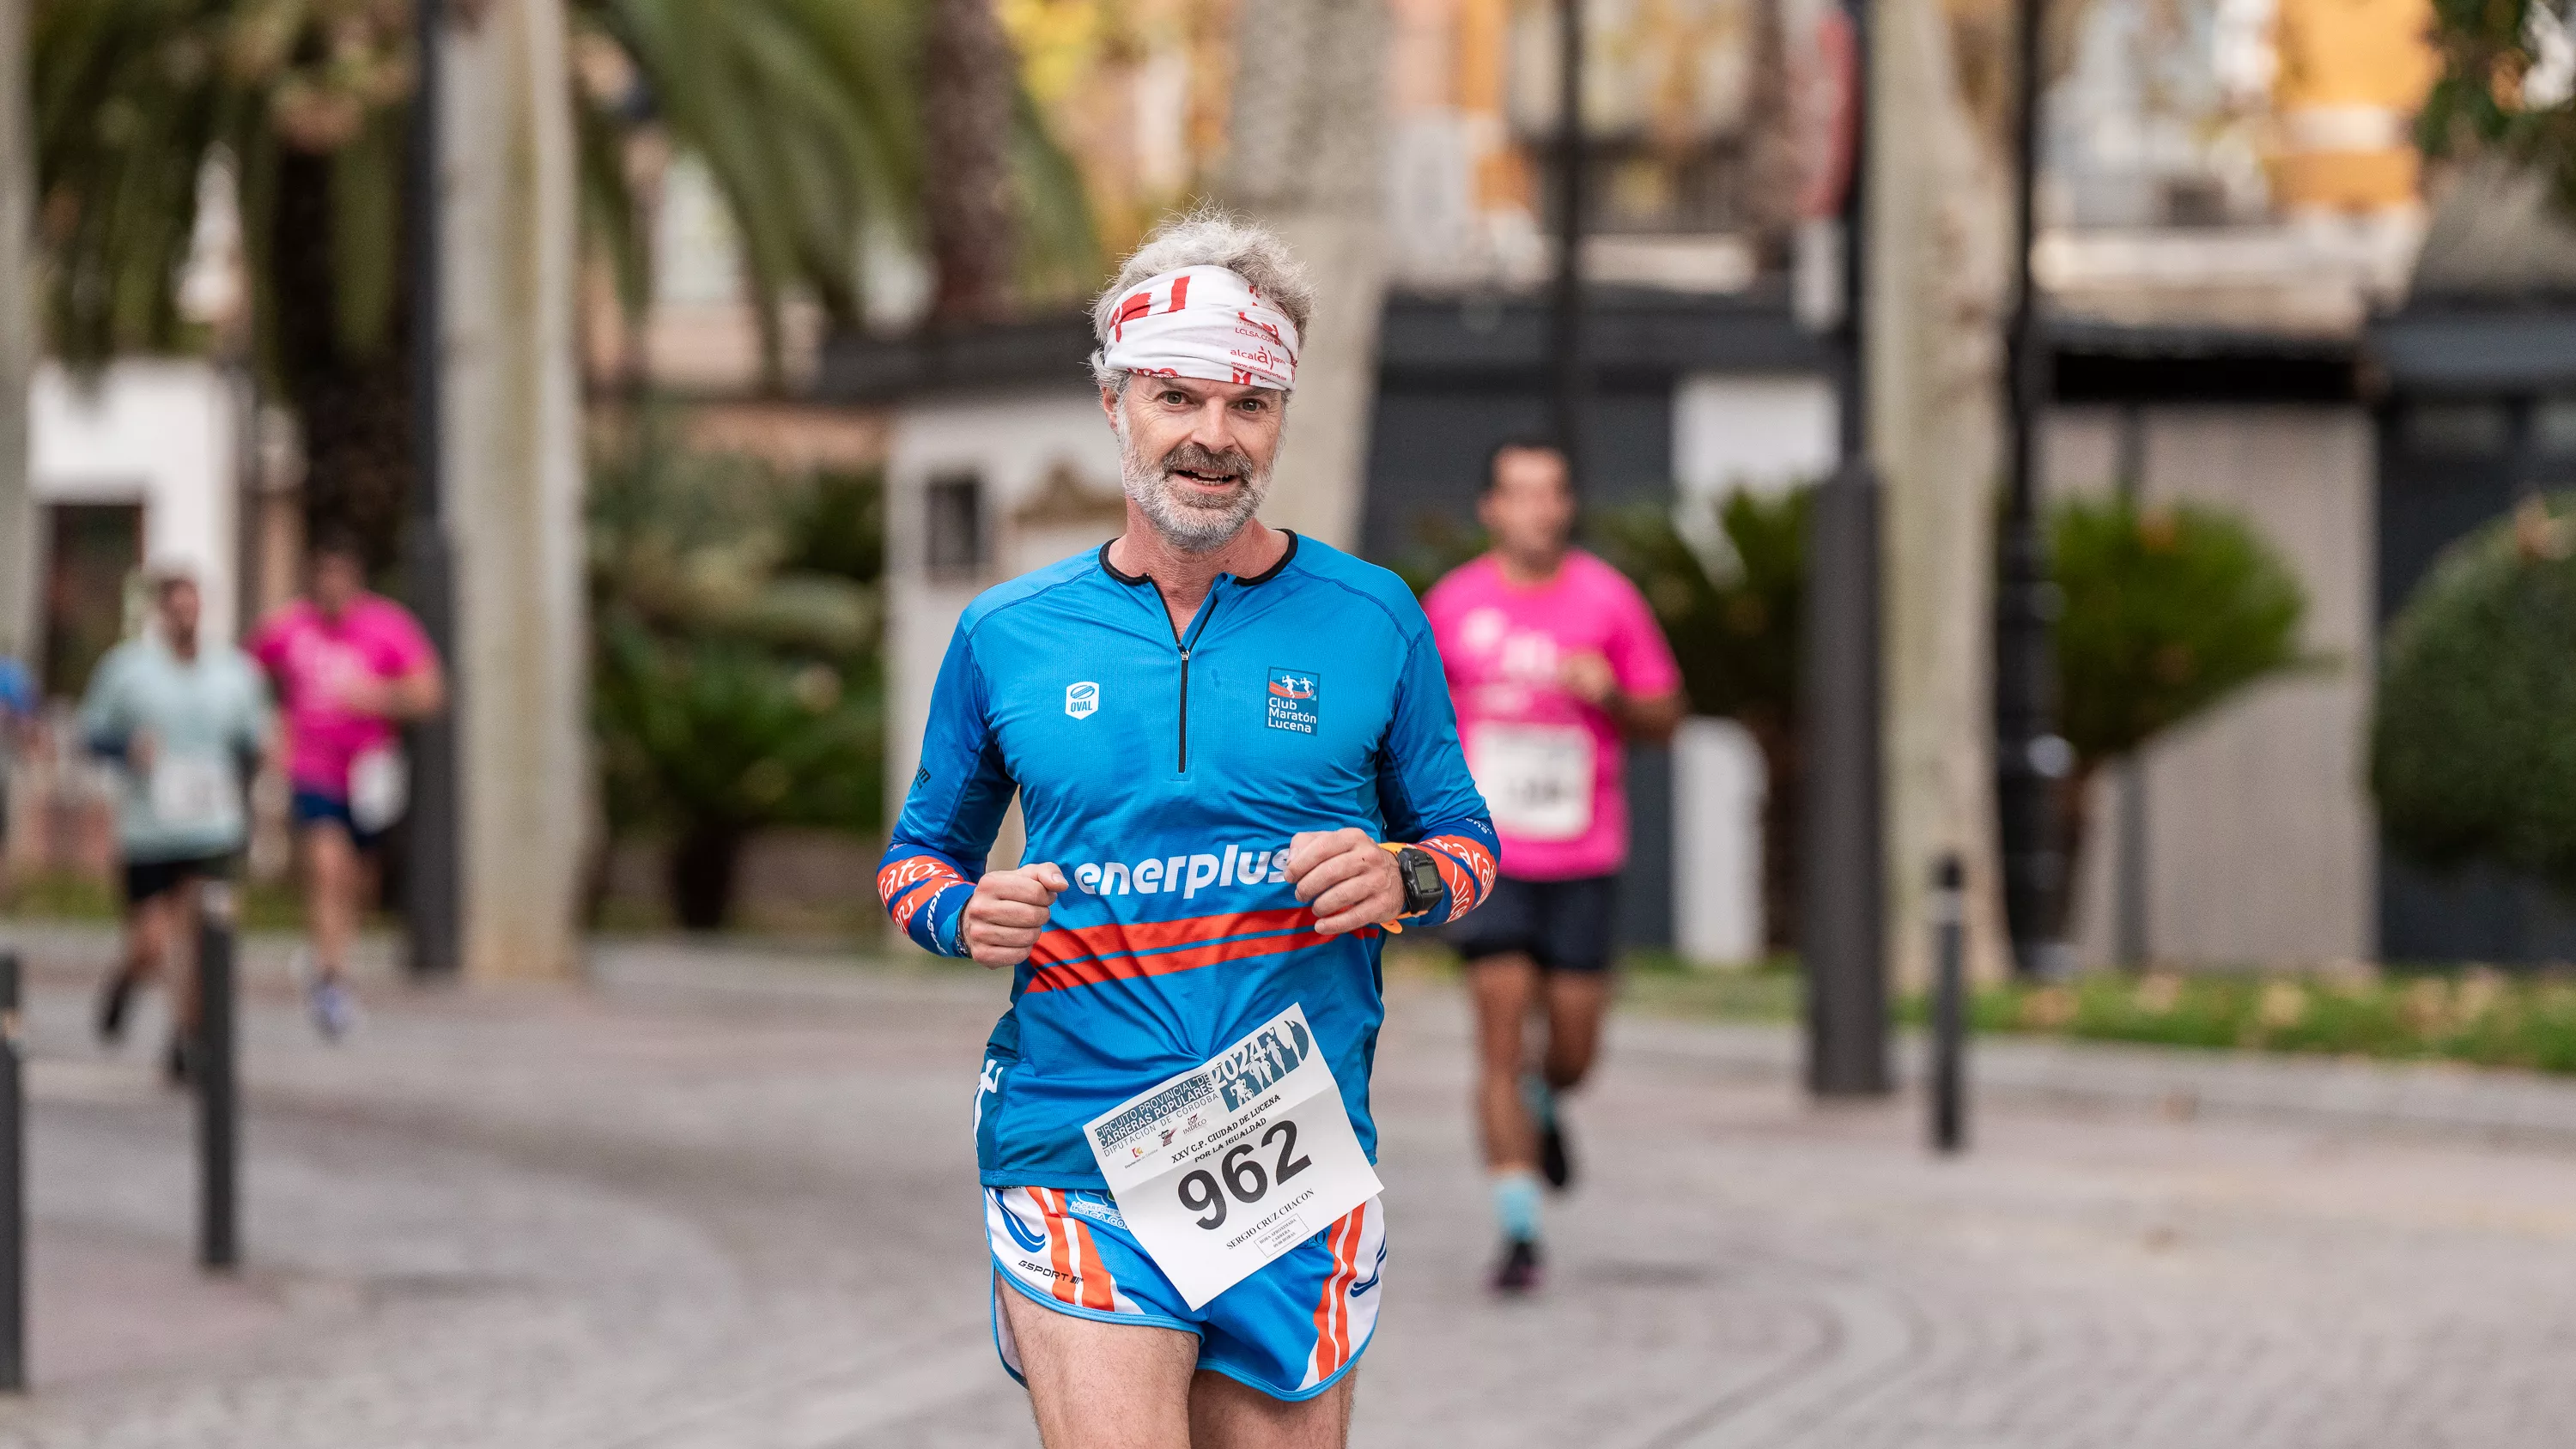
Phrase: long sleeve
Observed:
(1425, 791)
(952, 813)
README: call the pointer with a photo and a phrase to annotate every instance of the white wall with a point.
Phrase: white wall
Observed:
(161, 433)
(1764, 431)
(1012, 441)
(1718, 790)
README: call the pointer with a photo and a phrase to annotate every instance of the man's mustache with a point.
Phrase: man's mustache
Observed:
(1190, 457)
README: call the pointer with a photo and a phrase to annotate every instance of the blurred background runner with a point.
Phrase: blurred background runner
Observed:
(185, 719)
(19, 705)
(1552, 658)
(350, 666)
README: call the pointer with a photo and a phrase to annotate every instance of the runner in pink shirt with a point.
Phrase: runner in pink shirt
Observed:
(350, 667)
(1553, 659)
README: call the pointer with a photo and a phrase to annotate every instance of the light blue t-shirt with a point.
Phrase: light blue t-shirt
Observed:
(206, 717)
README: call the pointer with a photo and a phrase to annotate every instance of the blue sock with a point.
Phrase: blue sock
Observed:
(1516, 1204)
(1540, 1099)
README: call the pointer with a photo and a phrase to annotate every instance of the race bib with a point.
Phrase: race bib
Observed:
(1536, 779)
(1228, 1165)
(193, 792)
(379, 788)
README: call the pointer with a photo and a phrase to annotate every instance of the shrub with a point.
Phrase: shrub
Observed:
(2473, 740)
(737, 680)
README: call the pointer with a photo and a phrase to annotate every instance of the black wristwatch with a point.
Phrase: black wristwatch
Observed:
(1421, 876)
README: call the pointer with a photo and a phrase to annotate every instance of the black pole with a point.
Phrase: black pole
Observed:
(430, 890)
(1949, 1006)
(1565, 315)
(13, 1185)
(2030, 756)
(1841, 909)
(210, 1071)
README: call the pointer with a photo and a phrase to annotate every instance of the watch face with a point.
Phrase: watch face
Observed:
(1421, 879)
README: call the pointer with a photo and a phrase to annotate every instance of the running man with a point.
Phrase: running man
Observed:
(350, 667)
(186, 720)
(1172, 1128)
(21, 703)
(1552, 657)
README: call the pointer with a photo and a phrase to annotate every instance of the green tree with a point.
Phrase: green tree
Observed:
(2472, 758)
(736, 683)
(2169, 610)
(806, 112)
(2490, 50)
(1729, 588)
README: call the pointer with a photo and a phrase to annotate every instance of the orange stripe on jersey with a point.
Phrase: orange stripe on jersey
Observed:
(1059, 1245)
(1099, 1290)
(1333, 1311)
(1116, 938)
(1129, 968)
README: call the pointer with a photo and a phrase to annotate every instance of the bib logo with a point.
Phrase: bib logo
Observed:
(1256, 1066)
(1295, 701)
(1082, 700)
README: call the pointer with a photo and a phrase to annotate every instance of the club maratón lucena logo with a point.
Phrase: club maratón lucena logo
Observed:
(1295, 701)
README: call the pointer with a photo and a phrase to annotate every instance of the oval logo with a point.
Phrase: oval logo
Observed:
(1082, 700)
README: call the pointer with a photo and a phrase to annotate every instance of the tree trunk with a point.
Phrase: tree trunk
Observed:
(704, 863)
(1307, 157)
(968, 74)
(1784, 776)
(355, 409)
(513, 443)
(1937, 246)
(18, 554)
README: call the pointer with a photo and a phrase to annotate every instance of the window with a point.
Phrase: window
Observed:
(2456, 429)
(955, 533)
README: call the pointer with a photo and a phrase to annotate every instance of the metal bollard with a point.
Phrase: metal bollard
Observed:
(210, 1071)
(1949, 1006)
(13, 1186)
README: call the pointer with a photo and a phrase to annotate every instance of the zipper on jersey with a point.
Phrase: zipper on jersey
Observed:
(1197, 632)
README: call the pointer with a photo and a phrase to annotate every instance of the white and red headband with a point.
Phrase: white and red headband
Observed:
(1202, 322)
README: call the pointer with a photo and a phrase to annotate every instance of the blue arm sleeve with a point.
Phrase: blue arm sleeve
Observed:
(952, 813)
(1424, 789)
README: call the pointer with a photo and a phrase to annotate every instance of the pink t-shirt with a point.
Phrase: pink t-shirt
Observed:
(314, 661)
(1548, 763)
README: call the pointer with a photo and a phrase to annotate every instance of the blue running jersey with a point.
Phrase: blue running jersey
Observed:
(1165, 775)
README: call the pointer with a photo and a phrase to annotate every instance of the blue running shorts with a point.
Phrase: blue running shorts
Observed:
(1290, 1330)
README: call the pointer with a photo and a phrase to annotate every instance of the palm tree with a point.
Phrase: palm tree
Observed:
(804, 111)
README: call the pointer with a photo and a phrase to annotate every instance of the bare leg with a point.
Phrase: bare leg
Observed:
(1101, 1385)
(147, 941)
(1576, 1002)
(1225, 1414)
(331, 879)
(1504, 989)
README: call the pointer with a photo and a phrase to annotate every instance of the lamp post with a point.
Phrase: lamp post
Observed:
(1842, 935)
(1565, 318)
(430, 892)
(2030, 757)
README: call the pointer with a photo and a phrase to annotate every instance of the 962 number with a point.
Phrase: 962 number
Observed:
(1244, 1179)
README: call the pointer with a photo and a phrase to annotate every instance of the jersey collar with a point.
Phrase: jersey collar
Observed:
(1247, 581)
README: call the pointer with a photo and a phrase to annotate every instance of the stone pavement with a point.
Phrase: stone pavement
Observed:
(724, 1202)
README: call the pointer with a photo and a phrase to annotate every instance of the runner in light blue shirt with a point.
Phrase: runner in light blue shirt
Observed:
(185, 720)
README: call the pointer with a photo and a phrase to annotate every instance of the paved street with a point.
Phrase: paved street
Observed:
(725, 1202)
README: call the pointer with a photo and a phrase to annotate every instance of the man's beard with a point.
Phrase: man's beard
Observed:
(1184, 519)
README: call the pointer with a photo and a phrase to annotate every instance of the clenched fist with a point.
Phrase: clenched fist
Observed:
(1348, 878)
(1009, 912)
